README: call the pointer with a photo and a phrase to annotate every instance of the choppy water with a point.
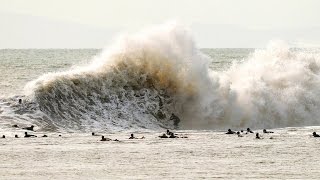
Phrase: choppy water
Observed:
(291, 154)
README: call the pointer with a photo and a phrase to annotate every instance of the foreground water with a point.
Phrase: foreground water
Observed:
(290, 154)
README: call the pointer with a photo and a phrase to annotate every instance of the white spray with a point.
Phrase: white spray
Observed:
(140, 80)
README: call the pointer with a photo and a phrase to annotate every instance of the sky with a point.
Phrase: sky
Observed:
(214, 23)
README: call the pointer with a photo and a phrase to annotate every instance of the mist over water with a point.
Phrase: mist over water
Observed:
(140, 80)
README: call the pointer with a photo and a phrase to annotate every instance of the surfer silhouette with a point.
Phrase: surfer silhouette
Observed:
(104, 139)
(132, 137)
(257, 136)
(26, 135)
(94, 134)
(265, 131)
(230, 132)
(315, 134)
(29, 128)
(239, 135)
(168, 132)
(249, 130)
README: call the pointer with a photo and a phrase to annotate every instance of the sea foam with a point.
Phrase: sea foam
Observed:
(141, 79)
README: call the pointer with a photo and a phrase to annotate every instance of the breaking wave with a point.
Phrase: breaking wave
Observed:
(141, 80)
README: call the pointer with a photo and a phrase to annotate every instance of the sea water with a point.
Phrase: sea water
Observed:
(135, 85)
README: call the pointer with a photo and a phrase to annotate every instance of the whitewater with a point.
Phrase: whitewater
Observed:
(141, 79)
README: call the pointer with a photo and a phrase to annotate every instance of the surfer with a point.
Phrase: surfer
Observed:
(16, 136)
(265, 131)
(3, 136)
(249, 131)
(29, 128)
(104, 139)
(257, 136)
(230, 132)
(132, 137)
(26, 135)
(176, 120)
(239, 135)
(315, 134)
(44, 136)
(94, 134)
(20, 101)
(15, 126)
(168, 132)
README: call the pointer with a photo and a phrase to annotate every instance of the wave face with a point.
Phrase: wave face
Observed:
(142, 79)
(137, 83)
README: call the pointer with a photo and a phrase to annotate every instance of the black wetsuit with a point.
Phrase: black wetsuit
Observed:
(265, 131)
(249, 130)
(316, 135)
(29, 135)
(29, 128)
(230, 132)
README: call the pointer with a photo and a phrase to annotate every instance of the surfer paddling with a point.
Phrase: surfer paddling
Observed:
(94, 134)
(230, 132)
(265, 131)
(132, 137)
(314, 134)
(26, 135)
(105, 139)
(29, 128)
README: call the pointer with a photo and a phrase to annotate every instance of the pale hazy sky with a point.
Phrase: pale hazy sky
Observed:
(214, 23)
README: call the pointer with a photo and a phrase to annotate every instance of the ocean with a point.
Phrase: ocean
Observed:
(21, 67)
(136, 85)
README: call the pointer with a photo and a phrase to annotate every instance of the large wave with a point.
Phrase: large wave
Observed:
(142, 79)
(138, 82)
